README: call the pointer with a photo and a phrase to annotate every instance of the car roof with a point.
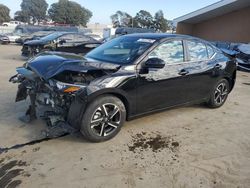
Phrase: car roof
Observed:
(65, 32)
(159, 36)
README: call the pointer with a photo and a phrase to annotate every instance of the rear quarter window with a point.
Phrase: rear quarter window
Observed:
(210, 51)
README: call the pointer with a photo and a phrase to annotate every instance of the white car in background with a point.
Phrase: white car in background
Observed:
(12, 37)
(11, 23)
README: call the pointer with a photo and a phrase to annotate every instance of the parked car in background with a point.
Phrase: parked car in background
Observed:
(12, 23)
(124, 31)
(240, 51)
(24, 33)
(60, 41)
(124, 78)
(13, 37)
(94, 36)
(34, 36)
(243, 57)
(111, 33)
(4, 39)
(29, 29)
(130, 30)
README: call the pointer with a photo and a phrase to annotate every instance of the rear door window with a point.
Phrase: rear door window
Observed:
(197, 51)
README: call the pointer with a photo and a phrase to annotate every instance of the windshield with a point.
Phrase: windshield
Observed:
(52, 36)
(122, 50)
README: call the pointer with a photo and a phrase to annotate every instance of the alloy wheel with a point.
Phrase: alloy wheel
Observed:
(221, 93)
(105, 120)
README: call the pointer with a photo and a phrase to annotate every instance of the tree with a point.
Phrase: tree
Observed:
(4, 13)
(22, 16)
(34, 10)
(69, 12)
(121, 19)
(144, 19)
(171, 26)
(160, 23)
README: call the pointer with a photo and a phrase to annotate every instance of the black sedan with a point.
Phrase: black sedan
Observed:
(125, 78)
(60, 41)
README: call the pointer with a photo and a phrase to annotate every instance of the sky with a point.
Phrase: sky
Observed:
(103, 9)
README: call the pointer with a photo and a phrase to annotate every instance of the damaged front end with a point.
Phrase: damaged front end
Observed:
(52, 85)
(54, 97)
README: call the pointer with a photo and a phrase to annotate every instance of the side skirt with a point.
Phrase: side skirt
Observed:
(163, 109)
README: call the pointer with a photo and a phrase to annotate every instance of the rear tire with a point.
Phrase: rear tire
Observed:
(103, 118)
(219, 94)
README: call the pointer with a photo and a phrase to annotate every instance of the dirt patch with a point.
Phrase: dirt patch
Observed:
(248, 84)
(156, 143)
(9, 171)
(243, 75)
(36, 149)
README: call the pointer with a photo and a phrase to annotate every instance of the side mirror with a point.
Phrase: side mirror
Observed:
(155, 63)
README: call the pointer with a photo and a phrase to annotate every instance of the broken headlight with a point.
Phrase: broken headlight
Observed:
(66, 87)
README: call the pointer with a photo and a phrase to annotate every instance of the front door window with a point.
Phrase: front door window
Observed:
(170, 51)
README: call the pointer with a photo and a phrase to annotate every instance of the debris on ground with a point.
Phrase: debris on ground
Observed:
(156, 143)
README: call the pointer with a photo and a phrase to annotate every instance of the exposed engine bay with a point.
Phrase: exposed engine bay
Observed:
(56, 94)
(71, 77)
(51, 96)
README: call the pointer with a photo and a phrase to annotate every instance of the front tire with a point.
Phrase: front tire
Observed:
(219, 94)
(103, 118)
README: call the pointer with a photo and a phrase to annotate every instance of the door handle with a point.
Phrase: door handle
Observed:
(217, 66)
(183, 72)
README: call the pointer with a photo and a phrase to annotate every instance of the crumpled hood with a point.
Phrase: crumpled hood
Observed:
(50, 64)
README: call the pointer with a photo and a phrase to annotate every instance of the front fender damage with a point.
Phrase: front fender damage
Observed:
(77, 109)
(59, 100)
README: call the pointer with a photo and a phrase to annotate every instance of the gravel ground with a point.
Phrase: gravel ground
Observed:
(184, 147)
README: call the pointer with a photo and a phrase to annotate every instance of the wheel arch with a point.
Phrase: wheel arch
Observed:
(119, 95)
(81, 102)
(231, 80)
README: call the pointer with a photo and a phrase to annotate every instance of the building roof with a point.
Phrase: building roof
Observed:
(214, 10)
